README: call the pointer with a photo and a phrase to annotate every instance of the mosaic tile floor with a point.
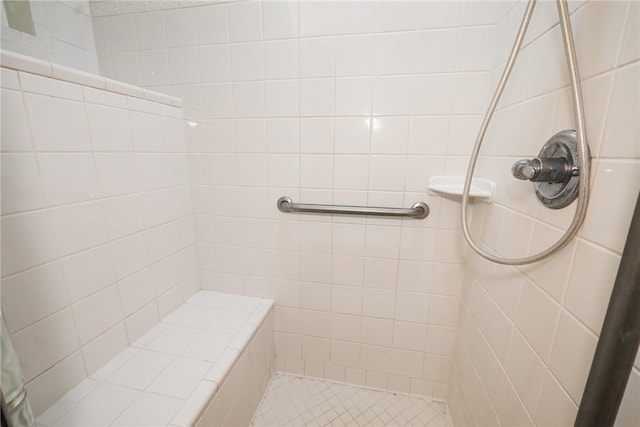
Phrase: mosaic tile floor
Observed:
(295, 401)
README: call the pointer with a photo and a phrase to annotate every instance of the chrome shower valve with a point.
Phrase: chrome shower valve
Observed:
(555, 171)
(552, 169)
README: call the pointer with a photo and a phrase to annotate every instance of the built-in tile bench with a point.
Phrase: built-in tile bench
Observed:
(205, 364)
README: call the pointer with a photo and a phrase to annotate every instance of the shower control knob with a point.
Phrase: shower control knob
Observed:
(525, 169)
(545, 169)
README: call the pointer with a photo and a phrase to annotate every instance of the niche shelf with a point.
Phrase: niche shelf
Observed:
(482, 189)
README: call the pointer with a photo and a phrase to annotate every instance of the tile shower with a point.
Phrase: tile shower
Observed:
(118, 205)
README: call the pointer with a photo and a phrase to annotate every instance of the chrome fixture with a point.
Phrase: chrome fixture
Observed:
(552, 193)
(419, 210)
(554, 172)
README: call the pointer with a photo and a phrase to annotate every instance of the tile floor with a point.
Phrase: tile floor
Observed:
(166, 376)
(296, 401)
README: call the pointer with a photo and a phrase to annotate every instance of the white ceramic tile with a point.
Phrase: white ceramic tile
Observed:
(394, 53)
(130, 254)
(152, 171)
(471, 93)
(97, 313)
(55, 333)
(378, 303)
(28, 240)
(355, 17)
(354, 96)
(630, 47)
(89, 271)
(621, 129)
(405, 363)
(78, 226)
(42, 289)
(194, 405)
(596, 57)
(282, 98)
(280, 59)
(145, 131)
(435, 51)
(208, 346)
(555, 404)
(126, 67)
(248, 99)
(21, 190)
(184, 65)
(478, 45)
(316, 171)
(588, 294)
(50, 86)
(526, 371)
(252, 169)
(121, 32)
(628, 412)
(401, 15)
(380, 273)
(390, 135)
(179, 378)
(123, 215)
(280, 19)
(180, 27)
(68, 177)
(67, 401)
(173, 340)
(16, 135)
(412, 307)
(317, 57)
(354, 55)
(440, 14)
(154, 66)
(149, 410)
(59, 127)
(117, 173)
(409, 336)
(415, 276)
(104, 347)
(572, 339)
(99, 407)
(212, 24)
(384, 173)
(352, 135)
(317, 18)
(247, 61)
(245, 21)
(317, 97)
(150, 30)
(215, 64)
(316, 135)
(140, 369)
(162, 242)
(624, 175)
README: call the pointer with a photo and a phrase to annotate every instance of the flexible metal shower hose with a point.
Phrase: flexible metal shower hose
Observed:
(584, 161)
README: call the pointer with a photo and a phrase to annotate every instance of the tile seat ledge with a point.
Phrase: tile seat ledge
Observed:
(199, 343)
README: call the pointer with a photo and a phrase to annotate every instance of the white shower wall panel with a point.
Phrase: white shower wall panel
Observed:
(98, 235)
(526, 335)
(326, 102)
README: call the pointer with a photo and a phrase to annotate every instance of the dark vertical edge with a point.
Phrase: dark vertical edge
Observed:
(619, 339)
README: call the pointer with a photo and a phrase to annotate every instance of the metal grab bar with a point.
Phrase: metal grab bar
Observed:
(419, 210)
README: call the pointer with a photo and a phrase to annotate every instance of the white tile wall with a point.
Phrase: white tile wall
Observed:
(86, 221)
(328, 102)
(64, 35)
(526, 336)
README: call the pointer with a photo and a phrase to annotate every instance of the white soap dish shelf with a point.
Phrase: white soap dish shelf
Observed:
(482, 189)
